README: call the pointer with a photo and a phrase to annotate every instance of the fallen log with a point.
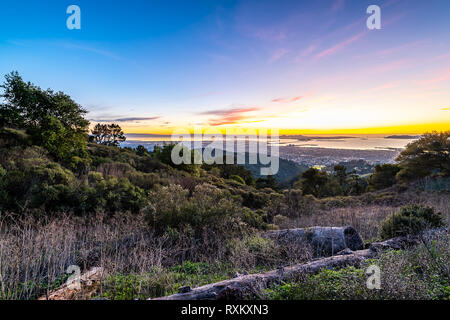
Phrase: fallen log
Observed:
(325, 241)
(83, 287)
(248, 285)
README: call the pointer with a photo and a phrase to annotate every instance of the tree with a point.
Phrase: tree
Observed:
(426, 156)
(340, 172)
(108, 134)
(164, 154)
(267, 182)
(312, 182)
(26, 106)
(53, 120)
(383, 177)
(61, 142)
(142, 151)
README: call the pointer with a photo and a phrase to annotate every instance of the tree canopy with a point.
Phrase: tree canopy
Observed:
(52, 119)
(108, 134)
(27, 106)
(426, 156)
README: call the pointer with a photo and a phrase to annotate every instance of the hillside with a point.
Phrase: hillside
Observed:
(72, 199)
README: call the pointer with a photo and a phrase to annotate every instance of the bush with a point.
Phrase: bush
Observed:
(238, 179)
(383, 177)
(12, 137)
(410, 220)
(207, 209)
(346, 283)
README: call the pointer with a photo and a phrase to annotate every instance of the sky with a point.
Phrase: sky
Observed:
(303, 67)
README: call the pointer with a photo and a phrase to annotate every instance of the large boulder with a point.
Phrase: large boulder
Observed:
(325, 241)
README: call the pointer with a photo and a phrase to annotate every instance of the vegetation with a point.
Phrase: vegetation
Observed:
(108, 134)
(322, 184)
(420, 273)
(410, 220)
(429, 155)
(154, 225)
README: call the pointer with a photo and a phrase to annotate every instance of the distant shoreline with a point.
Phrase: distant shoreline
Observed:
(402, 137)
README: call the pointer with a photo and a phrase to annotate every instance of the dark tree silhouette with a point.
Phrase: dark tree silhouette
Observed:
(108, 134)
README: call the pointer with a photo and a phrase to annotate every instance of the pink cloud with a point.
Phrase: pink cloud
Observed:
(400, 48)
(228, 116)
(388, 85)
(305, 52)
(287, 100)
(439, 77)
(393, 65)
(278, 55)
(338, 47)
(337, 5)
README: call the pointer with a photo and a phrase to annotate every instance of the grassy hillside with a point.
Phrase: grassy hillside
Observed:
(73, 197)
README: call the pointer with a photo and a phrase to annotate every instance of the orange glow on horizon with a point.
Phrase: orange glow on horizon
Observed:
(401, 129)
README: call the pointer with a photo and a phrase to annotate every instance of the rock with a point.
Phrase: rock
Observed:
(325, 241)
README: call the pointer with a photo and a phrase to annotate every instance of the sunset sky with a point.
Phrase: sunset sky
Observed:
(304, 67)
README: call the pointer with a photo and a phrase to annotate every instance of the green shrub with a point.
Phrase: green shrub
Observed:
(383, 177)
(11, 137)
(237, 178)
(346, 283)
(205, 209)
(281, 221)
(410, 220)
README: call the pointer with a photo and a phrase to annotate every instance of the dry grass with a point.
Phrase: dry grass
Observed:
(367, 219)
(35, 253)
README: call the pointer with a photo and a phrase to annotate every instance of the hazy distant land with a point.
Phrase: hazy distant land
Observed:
(402, 137)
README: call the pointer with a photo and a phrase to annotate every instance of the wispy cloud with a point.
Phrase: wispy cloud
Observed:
(228, 116)
(402, 47)
(438, 77)
(131, 119)
(393, 65)
(286, 100)
(339, 46)
(305, 52)
(337, 5)
(445, 109)
(101, 52)
(278, 54)
(384, 86)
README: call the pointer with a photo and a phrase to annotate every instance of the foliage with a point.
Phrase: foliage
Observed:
(53, 120)
(426, 156)
(161, 282)
(164, 154)
(267, 182)
(383, 177)
(419, 273)
(410, 220)
(208, 208)
(12, 137)
(142, 151)
(108, 134)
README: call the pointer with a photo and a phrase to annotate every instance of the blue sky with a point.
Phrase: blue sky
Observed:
(301, 65)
